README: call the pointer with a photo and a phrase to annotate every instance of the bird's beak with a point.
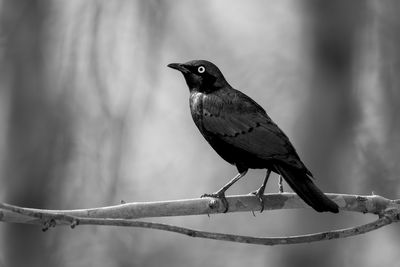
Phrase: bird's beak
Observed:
(178, 66)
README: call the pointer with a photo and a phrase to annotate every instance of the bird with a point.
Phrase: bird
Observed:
(242, 133)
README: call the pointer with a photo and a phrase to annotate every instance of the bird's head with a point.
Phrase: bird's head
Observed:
(201, 75)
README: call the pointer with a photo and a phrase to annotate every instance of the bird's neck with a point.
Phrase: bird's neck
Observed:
(209, 88)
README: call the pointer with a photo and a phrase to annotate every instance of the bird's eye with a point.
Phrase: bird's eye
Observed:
(201, 69)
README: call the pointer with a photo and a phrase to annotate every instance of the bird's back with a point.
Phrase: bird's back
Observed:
(240, 130)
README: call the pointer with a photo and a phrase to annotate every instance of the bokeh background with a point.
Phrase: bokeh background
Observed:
(90, 115)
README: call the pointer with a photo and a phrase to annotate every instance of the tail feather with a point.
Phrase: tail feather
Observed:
(307, 190)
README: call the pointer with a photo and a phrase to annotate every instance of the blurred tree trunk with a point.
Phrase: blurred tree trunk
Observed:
(330, 114)
(382, 148)
(70, 70)
(38, 130)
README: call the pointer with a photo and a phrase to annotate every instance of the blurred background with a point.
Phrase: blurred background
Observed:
(90, 115)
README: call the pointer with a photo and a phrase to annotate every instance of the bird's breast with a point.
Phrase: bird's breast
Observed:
(196, 101)
(196, 108)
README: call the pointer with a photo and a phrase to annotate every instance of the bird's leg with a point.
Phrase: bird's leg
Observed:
(280, 184)
(220, 194)
(259, 193)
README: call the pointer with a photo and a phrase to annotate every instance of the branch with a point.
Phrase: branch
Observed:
(121, 215)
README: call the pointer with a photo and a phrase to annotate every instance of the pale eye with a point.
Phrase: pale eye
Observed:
(201, 69)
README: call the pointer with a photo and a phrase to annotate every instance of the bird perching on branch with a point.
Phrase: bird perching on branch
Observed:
(242, 133)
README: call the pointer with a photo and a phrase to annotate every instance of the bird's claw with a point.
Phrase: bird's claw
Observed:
(259, 195)
(220, 196)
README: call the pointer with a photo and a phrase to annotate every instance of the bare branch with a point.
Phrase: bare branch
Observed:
(121, 215)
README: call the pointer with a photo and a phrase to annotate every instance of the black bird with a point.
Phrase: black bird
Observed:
(242, 133)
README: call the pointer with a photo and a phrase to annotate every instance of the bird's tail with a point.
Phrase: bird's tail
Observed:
(306, 189)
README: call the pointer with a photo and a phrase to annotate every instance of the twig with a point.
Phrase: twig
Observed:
(270, 241)
(121, 215)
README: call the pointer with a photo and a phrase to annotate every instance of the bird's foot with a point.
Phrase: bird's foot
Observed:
(259, 193)
(220, 196)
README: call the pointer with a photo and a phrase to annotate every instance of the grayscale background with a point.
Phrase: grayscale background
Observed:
(90, 115)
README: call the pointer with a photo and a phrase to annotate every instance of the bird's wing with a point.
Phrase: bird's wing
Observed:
(239, 121)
